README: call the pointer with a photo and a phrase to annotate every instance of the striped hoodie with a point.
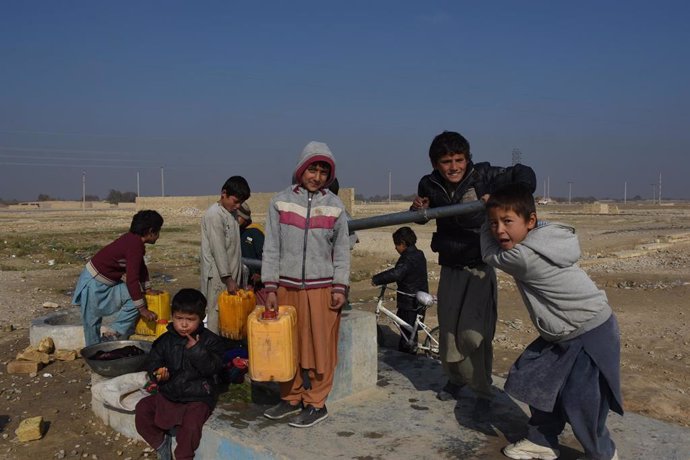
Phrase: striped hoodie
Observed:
(307, 244)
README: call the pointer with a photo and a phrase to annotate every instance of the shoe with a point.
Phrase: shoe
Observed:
(526, 449)
(164, 451)
(450, 391)
(282, 410)
(309, 416)
(615, 456)
(110, 337)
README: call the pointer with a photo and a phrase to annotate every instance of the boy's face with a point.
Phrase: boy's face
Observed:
(508, 228)
(185, 323)
(230, 203)
(452, 167)
(315, 176)
(151, 237)
(400, 247)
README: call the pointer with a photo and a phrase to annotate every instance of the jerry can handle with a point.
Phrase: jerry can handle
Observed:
(269, 314)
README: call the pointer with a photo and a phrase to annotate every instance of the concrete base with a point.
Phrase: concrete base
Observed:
(64, 327)
(357, 355)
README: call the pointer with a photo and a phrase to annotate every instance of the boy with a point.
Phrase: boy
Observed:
(467, 287)
(101, 290)
(184, 362)
(571, 373)
(307, 264)
(221, 255)
(411, 276)
(252, 236)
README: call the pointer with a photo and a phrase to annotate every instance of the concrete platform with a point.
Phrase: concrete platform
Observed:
(401, 418)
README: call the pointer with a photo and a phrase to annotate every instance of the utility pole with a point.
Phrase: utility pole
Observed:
(517, 156)
(659, 189)
(653, 193)
(570, 191)
(83, 190)
(548, 188)
(162, 182)
(390, 178)
(138, 194)
(625, 192)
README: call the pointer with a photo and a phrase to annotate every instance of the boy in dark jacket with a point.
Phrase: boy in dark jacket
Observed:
(571, 372)
(467, 288)
(411, 276)
(185, 362)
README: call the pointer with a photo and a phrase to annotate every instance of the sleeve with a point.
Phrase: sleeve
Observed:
(511, 261)
(392, 275)
(206, 357)
(215, 232)
(271, 251)
(341, 254)
(135, 268)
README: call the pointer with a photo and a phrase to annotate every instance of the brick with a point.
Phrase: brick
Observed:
(23, 367)
(46, 345)
(30, 429)
(31, 354)
(65, 355)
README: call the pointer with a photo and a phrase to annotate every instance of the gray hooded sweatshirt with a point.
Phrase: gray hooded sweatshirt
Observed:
(563, 302)
(307, 244)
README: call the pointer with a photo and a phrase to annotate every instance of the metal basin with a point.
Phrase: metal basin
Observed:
(115, 367)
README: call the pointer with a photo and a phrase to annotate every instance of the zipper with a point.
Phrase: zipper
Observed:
(466, 178)
(306, 232)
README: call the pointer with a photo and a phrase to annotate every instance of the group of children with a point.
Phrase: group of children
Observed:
(306, 263)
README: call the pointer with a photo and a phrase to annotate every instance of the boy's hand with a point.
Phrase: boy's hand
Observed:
(162, 374)
(191, 341)
(231, 285)
(148, 314)
(337, 300)
(420, 203)
(272, 301)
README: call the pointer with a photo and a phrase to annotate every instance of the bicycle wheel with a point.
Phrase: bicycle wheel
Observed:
(431, 344)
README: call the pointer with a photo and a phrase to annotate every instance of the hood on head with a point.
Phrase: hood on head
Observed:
(313, 152)
(556, 242)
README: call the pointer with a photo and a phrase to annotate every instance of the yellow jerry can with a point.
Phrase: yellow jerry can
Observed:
(272, 345)
(233, 311)
(159, 304)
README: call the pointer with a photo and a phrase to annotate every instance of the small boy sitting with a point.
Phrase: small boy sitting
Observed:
(571, 373)
(185, 362)
(411, 275)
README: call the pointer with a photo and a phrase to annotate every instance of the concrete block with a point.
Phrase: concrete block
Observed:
(30, 429)
(64, 327)
(65, 355)
(31, 354)
(357, 355)
(23, 367)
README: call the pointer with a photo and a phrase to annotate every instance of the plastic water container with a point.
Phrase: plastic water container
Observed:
(272, 345)
(161, 327)
(159, 304)
(233, 311)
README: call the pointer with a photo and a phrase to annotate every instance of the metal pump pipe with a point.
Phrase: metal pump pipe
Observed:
(405, 217)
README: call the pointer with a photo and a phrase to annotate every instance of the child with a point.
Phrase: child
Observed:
(221, 255)
(410, 274)
(252, 236)
(101, 290)
(571, 373)
(185, 362)
(467, 288)
(307, 264)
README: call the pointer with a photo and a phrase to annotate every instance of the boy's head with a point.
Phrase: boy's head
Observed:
(234, 192)
(316, 167)
(511, 214)
(449, 153)
(188, 310)
(147, 224)
(403, 238)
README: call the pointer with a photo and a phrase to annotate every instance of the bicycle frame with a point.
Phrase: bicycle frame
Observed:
(429, 345)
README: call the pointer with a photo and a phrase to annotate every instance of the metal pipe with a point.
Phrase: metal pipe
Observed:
(421, 216)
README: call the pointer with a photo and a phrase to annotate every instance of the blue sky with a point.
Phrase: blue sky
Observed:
(593, 93)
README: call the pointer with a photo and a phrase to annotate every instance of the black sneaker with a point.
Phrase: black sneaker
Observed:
(450, 391)
(309, 416)
(282, 410)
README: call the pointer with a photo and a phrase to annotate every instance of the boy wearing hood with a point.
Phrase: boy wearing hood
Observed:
(467, 288)
(571, 372)
(306, 263)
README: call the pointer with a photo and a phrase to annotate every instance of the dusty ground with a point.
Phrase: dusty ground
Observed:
(640, 256)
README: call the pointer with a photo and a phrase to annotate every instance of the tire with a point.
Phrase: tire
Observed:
(430, 347)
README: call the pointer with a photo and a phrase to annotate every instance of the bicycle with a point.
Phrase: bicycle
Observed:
(430, 344)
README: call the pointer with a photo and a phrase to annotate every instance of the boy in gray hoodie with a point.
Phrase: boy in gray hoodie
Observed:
(571, 373)
(306, 263)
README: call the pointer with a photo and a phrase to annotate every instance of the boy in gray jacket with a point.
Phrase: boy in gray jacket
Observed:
(306, 263)
(571, 373)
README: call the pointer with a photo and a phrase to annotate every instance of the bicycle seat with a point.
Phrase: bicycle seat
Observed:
(424, 298)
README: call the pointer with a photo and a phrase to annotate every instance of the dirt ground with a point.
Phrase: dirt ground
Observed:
(638, 253)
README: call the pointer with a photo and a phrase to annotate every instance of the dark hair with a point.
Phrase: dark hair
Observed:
(145, 221)
(448, 142)
(335, 186)
(238, 187)
(515, 197)
(190, 301)
(405, 235)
